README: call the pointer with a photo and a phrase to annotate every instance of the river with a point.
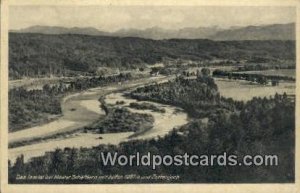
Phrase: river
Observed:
(82, 109)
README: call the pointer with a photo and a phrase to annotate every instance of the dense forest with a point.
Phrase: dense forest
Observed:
(31, 107)
(260, 126)
(35, 55)
(198, 97)
(146, 106)
(120, 119)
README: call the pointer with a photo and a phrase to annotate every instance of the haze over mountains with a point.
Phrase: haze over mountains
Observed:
(265, 32)
(268, 32)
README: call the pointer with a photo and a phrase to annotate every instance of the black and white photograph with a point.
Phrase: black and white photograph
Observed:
(151, 94)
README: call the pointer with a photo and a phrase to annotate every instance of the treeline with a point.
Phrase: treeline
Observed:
(31, 107)
(264, 126)
(261, 67)
(85, 83)
(259, 78)
(33, 55)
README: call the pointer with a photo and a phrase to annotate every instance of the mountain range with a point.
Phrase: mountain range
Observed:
(264, 32)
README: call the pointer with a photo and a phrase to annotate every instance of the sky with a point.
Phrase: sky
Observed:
(113, 18)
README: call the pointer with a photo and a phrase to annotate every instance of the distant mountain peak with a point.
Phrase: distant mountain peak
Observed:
(61, 30)
(252, 32)
(262, 32)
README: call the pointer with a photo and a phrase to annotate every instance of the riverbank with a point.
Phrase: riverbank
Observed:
(77, 113)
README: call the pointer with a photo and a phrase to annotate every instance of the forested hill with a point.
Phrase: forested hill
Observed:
(40, 54)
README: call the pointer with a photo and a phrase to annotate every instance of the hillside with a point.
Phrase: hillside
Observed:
(39, 54)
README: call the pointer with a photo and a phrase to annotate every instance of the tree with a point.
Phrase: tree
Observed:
(71, 160)
(19, 165)
(46, 88)
(205, 71)
(261, 80)
(56, 161)
(275, 82)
